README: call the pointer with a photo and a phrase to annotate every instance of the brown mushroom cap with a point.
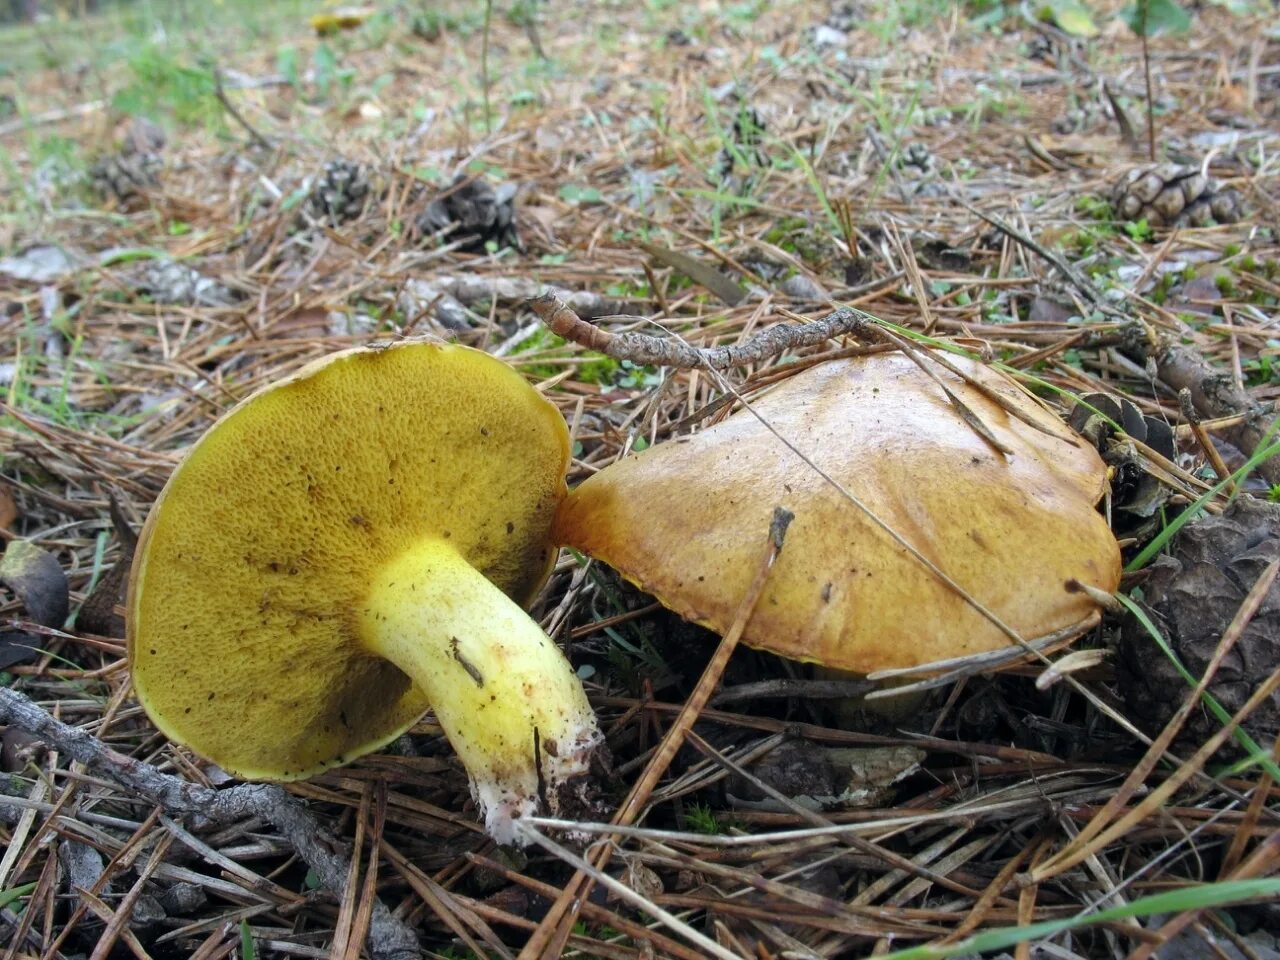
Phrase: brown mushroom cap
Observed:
(249, 578)
(685, 520)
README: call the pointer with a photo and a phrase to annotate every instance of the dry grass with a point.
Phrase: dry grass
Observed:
(616, 140)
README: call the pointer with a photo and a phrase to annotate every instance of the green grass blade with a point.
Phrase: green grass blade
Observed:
(1157, 544)
(14, 893)
(1199, 897)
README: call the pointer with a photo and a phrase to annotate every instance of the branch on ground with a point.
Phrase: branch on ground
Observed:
(389, 938)
(1214, 393)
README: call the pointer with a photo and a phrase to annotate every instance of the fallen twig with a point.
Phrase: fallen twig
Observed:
(789, 687)
(1213, 392)
(640, 348)
(235, 114)
(389, 938)
(51, 116)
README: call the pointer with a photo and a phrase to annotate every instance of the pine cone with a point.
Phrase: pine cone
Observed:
(1042, 47)
(127, 176)
(339, 193)
(1169, 194)
(1136, 496)
(171, 282)
(474, 213)
(1192, 594)
(919, 156)
(135, 167)
(1080, 118)
(847, 16)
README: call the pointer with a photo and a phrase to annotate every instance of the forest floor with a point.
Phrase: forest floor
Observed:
(196, 199)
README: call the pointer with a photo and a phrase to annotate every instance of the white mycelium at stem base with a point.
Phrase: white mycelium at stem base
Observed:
(508, 701)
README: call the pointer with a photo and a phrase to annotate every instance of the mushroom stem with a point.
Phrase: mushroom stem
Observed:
(508, 701)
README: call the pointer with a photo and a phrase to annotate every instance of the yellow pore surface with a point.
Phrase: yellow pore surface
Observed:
(687, 520)
(249, 576)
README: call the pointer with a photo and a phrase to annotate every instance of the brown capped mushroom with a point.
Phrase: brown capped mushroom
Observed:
(350, 546)
(682, 520)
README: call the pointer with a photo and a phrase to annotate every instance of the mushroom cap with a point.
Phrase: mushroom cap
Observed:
(686, 520)
(245, 591)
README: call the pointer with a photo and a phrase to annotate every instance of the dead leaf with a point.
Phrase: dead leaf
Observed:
(698, 272)
(1127, 132)
(8, 509)
(1073, 662)
(1044, 310)
(36, 577)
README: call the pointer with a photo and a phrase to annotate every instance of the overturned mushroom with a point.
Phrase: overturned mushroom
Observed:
(1017, 530)
(350, 546)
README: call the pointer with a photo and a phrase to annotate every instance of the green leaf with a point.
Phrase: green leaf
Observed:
(15, 893)
(576, 193)
(287, 65)
(1140, 231)
(1162, 16)
(247, 949)
(1069, 15)
(325, 66)
(294, 198)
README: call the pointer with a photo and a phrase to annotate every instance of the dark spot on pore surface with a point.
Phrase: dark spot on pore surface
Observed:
(511, 527)
(826, 593)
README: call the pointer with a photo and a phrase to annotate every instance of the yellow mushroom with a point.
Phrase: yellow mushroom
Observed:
(349, 546)
(683, 520)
